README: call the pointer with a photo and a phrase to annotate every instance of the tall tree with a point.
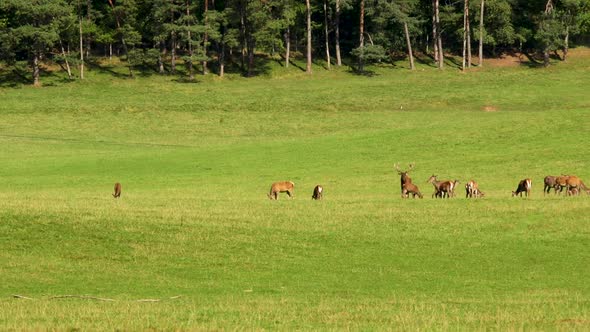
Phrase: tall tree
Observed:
(466, 35)
(81, 43)
(205, 35)
(308, 30)
(337, 34)
(326, 33)
(361, 34)
(549, 33)
(481, 15)
(124, 12)
(32, 28)
(441, 57)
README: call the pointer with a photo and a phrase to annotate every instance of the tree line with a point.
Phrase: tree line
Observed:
(206, 35)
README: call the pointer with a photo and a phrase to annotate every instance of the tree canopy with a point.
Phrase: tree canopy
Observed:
(163, 33)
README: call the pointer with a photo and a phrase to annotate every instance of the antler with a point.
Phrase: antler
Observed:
(396, 167)
(411, 166)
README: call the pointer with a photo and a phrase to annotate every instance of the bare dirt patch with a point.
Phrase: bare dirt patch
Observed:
(506, 60)
(489, 108)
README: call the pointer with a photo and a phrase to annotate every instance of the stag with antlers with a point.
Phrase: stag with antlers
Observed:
(405, 178)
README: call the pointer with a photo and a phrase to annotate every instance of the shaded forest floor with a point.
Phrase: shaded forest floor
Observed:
(265, 66)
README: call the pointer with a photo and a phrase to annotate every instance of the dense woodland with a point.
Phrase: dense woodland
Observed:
(208, 36)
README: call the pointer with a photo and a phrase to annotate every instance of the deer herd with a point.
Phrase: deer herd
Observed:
(572, 184)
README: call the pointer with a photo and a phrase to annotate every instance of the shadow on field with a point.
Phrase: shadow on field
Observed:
(13, 78)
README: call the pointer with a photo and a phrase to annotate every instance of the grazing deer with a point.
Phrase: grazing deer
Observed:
(523, 186)
(410, 188)
(405, 178)
(560, 183)
(549, 182)
(318, 192)
(117, 193)
(281, 187)
(442, 188)
(472, 190)
(575, 184)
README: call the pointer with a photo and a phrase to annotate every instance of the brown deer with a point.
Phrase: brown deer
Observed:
(410, 188)
(281, 187)
(549, 182)
(405, 178)
(472, 190)
(442, 188)
(560, 183)
(318, 192)
(573, 192)
(524, 186)
(575, 184)
(117, 193)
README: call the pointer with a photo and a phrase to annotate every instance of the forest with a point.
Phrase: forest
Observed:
(214, 36)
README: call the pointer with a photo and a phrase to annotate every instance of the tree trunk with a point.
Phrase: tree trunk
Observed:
(434, 32)
(481, 34)
(441, 56)
(118, 21)
(308, 9)
(81, 51)
(191, 74)
(205, 37)
(110, 52)
(362, 34)
(410, 55)
(464, 59)
(566, 43)
(548, 11)
(326, 33)
(63, 53)
(221, 59)
(88, 18)
(172, 45)
(160, 58)
(173, 53)
(242, 35)
(337, 34)
(36, 81)
(287, 47)
(468, 34)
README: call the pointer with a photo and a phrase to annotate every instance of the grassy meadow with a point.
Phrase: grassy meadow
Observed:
(195, 230)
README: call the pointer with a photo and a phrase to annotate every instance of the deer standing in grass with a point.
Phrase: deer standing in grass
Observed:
(524, 186)
(407, 187)
(281, 187)
(442, 188)
(561, 183)
(410, 188)
(548, 183)
(318, 192)
(472, 190)
(117, 193)
(571, 183)
(574, 185)
(404, 177)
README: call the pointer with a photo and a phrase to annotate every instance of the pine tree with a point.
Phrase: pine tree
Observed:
(33, 27)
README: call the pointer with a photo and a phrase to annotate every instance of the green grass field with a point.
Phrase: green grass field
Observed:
(196, 161)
